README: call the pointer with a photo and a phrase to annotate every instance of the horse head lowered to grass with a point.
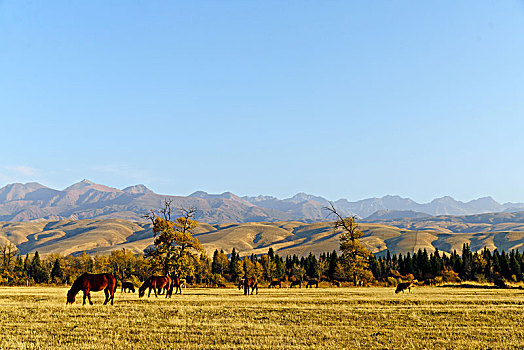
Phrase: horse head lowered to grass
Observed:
(88, 283)
(156, 283)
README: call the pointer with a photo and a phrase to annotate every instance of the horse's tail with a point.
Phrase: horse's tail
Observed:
(115, 282)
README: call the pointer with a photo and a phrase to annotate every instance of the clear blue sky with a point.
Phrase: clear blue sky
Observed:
(343, 99)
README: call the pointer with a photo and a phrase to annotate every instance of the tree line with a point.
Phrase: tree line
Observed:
(481, 266)
(177, 251)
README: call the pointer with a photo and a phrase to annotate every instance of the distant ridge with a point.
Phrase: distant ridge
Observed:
(502, 231)
(88, 200)
(387, 215)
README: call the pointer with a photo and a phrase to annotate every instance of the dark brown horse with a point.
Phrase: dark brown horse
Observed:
(129, 286)
(275, 283)
(311, 283)
(403, 286)
(295, 283)
(155, 283)
(240, 283)
(252, 283)
(88, 283)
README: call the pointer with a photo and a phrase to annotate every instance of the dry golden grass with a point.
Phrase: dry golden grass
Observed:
(337, 318)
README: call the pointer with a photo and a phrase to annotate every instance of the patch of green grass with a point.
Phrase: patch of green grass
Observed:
(431, 317)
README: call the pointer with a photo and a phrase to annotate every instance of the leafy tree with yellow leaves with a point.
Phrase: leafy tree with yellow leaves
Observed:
(355, 257)
(175, 248)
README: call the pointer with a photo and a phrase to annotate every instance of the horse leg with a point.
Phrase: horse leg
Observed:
(154, 290)
(106, 292)
(89, 297)
(85, 295)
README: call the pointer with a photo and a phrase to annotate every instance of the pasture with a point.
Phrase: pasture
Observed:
(431, 317)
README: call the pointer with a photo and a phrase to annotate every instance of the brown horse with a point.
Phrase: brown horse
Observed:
(176, 283)
(155, 283)
(295, 283)
(252, 283)
(275, 283)
(312, 283)
(129, 286)
(88, 283)
(240, 283)
(403, 286)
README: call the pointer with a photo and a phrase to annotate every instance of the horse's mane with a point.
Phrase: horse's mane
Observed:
(146, 283)
(77, 284)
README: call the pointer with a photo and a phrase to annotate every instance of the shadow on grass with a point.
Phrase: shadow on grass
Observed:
(476, 286)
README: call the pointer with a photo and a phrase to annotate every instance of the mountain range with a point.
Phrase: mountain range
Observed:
(88, 200)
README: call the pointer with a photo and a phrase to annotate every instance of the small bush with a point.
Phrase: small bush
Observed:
(392, 282)
(450, 276)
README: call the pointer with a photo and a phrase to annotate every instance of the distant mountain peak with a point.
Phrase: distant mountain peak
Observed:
(224, 195)
(199, 194)
(17, 190)
(444, 199)
(137, 189)
(79, 184)
(304, 197)
(86, 185)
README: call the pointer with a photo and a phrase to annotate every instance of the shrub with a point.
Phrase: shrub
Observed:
(392, 282)
(450, 276)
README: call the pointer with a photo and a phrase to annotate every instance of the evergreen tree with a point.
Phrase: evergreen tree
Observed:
(311, 266)
(408, 263)
(436, 263)
(56, 272)
(37, 270)
(496, 263)
(504, 265)
(280, 267)
(332, 264)
(514, 266)
(467, 260)
(27, 266)
(233, 263)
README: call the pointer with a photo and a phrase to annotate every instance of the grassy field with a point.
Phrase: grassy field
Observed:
(431, 317)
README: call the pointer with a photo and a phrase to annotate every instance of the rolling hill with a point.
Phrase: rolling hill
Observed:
(504, 231)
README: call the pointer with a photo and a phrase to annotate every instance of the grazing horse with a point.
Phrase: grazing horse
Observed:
(403, 286)
(312, 283)
(296, 283)
(275, 283)
(240, 283)
(156, 283)
(499, 282)
(88, 283)
(335, 283)
(129, 286)
(176, 283)
(252, 283)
